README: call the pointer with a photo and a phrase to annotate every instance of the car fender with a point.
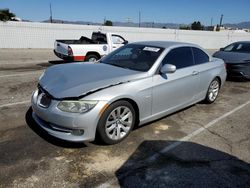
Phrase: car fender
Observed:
(139, 91)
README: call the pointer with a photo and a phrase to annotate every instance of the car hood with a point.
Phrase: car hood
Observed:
(232, 57)
(78, 79)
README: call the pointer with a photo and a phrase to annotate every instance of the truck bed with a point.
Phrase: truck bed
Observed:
(82, 40)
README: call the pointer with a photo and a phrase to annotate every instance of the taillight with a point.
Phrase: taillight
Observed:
(225, 65)
(70, 52)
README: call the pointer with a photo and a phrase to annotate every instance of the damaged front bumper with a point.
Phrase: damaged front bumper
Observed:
(74, 127)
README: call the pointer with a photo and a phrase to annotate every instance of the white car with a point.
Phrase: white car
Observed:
(86, 49)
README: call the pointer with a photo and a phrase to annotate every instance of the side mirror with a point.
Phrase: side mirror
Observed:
(221, 49)
(125, 42)
(167, 68)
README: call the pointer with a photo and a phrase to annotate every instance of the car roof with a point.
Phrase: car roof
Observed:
(242, 42)
(166, 44)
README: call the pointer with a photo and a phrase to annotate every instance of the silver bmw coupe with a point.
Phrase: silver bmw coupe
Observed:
(138, 83)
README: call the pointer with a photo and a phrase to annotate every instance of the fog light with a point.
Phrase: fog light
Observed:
(77, 132)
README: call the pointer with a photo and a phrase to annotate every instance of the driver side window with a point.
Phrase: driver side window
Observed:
(117, 39)
(180, 57)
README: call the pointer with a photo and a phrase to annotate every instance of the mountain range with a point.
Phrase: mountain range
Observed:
(241, 25)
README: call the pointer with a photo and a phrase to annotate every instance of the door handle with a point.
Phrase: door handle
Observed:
(194, 73)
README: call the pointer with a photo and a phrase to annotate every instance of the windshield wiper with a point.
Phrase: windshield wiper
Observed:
(117, 65)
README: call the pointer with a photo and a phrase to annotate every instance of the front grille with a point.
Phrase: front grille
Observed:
(43, 100)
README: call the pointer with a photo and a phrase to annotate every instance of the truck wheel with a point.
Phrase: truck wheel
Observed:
(91, 58)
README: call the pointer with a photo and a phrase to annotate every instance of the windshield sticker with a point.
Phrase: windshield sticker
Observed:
(151, 49)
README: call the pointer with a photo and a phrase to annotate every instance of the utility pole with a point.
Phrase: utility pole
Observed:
(104, 20)
(212, 21)
(221, 18)
(139, 18)
(51, 20)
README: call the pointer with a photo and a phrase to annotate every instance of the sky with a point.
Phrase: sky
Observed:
(161, 11)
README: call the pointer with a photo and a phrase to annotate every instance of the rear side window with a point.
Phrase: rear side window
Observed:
(244, 48)
(200, 57)
(99, 38)
(238, 47)
(180, 57)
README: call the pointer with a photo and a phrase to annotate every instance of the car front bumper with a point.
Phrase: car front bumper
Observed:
(74, 127)
(239, 70)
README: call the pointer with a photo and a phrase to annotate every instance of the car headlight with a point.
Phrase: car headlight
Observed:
(76, 106)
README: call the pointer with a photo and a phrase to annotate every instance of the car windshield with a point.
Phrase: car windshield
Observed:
(238, 47)
(134, 56)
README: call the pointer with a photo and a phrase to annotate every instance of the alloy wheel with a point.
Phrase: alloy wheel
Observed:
(213, 90)
(119, 123)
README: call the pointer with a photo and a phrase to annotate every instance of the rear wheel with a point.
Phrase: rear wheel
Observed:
(116, 122)
(213, 91)
(91, 58)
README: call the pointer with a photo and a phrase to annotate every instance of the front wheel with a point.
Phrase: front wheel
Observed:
(91, 58)
(213, 91)
(116, 122)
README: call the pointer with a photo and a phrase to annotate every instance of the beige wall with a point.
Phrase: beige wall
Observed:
(43, 35)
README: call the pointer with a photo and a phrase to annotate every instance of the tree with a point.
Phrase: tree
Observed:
(217, 28)
(197, 26)
(184, 27)
(6, 15)
(108, 23)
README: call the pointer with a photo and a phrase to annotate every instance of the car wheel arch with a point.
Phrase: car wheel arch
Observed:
(219, 78)
(93, 53)
(135, 106)
(207, 99)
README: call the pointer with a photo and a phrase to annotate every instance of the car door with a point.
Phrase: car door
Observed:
(117, 41)
(175, 90)
(201, 60)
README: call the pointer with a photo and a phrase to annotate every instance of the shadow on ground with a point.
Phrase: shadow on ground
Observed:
(56, 62)
(188, 165)
(232, 79)
(43, 134)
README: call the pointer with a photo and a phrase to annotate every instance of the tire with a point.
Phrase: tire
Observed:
(213, 91)
(91, 58)
(116, 122)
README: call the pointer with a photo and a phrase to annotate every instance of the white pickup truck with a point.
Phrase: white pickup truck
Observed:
(86, 49)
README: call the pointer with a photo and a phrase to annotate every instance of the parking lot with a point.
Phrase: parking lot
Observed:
(201, 146)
